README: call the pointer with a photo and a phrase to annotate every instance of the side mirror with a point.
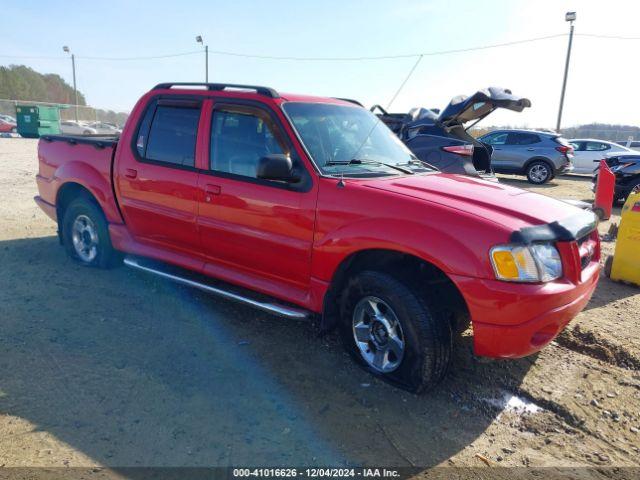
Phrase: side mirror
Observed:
(276, 167)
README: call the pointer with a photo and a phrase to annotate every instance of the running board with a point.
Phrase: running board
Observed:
(276, 309)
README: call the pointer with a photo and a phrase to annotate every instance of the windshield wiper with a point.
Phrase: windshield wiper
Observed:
(358, 161)
(417, 161)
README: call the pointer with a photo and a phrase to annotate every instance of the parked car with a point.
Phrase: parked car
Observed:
(538, 155)
(301, 207)
(588, 151)
(8, 119)
(7, 127)
(441, 138)
(70, 127)
(626, 167)
(105, 128)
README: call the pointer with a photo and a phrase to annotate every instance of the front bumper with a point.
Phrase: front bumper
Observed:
(513, 320)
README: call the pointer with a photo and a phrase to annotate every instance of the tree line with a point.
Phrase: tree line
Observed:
(19, 82)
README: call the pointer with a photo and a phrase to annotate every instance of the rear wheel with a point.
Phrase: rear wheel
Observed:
(539, 172)
(86, 236)
(394, 333)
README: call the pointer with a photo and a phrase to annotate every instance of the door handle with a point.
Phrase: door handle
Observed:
(130, 173)
(530, 149)
(209, 191)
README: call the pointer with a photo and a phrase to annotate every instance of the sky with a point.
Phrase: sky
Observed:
(602, 84)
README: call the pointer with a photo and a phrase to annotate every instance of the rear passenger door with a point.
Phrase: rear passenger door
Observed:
(157, 178)
(521, 146)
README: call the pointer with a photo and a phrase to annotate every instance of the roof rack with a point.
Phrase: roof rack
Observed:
(269, 92)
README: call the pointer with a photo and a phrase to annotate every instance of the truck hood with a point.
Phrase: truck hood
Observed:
(464, 109)
(515, 209)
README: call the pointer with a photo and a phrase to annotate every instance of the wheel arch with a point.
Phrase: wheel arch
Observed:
(66, 194)
(403, 265)
(82, 174)
(539, 159)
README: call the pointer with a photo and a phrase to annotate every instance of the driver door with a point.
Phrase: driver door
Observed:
(254, 232)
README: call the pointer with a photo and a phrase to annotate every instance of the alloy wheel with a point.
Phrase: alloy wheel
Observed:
(378, 334)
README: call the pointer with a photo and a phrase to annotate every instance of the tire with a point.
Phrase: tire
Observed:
(599, 213)
(539, 172)
(607, 266)
(418, 331)
(91, 246)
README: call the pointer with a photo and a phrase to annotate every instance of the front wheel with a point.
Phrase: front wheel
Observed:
(86, 236)
(394, 333)
(539, 172)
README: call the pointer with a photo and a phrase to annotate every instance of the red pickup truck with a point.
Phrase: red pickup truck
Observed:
(305, 206)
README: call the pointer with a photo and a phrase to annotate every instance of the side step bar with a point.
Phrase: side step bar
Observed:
(281, 310)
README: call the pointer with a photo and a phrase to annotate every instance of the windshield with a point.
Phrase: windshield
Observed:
(350, 140)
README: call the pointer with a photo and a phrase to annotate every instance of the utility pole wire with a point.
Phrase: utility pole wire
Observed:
(310, 59)
(404, 82)
(327, 59)
(387, 57)
(170, 55)
(607, 37)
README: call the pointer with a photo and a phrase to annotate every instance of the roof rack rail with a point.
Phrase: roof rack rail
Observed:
(269, 92)
(350, 100)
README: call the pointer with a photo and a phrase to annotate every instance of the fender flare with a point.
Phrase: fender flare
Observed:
(93, 181)
(426, 243)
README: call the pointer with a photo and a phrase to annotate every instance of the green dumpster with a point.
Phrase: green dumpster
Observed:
(37, 120)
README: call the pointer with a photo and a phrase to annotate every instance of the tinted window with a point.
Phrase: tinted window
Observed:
(240, 137)
(496, 139)
(518, 138)
(172, 136)
(596, 146)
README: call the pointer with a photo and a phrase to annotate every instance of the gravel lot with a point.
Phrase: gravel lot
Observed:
(115, 368)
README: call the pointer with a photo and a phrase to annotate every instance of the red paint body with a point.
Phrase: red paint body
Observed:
(605, 189)
(289, 244)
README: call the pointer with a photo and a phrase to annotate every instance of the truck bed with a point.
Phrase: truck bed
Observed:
(64, 158)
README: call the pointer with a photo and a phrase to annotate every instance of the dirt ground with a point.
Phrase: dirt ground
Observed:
(116, 368)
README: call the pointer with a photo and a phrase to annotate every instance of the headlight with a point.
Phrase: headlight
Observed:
(539, 262)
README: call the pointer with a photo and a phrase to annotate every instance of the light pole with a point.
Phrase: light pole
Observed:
(206, 58)
(569, 17)
(73, 67)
